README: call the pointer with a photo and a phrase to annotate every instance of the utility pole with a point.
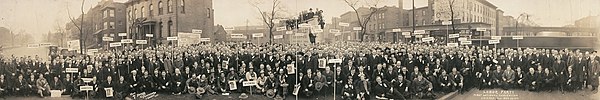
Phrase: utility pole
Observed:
(413, 17)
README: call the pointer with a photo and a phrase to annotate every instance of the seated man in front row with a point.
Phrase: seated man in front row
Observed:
(422, 87)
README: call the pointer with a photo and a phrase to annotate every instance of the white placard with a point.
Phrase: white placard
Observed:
(300, 34)
(344, 24)
(334, 31)
(238, 36)
(278, 37)
(357, 28)
(109, 92)
(55, 93)
(171, 38)
(196, 31)
(322, 63)
(452, 44)
(304, 25)
(71, 70)
(117, 44)
(462, 39)
(466, 42)
(337, 34)
(481, 29)
(406, 33)
(122, 34)
(281, 29)
(318, 30)
(45, 44)
(249, 83)
(204, 39)
(141, 42)
(232, 85)
(258, 35)
(418, 36)
(289, 32)
(419, 31)
(93, 50)
(397, 30)
(86, 88)
(493, 41)
(517, 37)
(87, 80)
(427, 39)
(291, 69)
(453, 35)
(496, 38)
(335, 61)
(446, 22)
(149, 35)
(127, 41)
(33, 45)
(407, 36)
(229, 28)
(107, 39)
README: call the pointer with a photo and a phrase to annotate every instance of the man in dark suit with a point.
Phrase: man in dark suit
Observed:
(532, 80)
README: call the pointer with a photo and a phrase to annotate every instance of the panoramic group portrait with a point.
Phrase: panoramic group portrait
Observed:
(299, 49)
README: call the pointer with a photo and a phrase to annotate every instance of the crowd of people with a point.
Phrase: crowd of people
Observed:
(367, 70)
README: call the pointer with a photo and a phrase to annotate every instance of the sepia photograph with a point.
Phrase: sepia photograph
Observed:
(299, 49)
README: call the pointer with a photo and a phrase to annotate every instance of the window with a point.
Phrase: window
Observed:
(142, 12)
(112, 13)
(135, 11)
(150, 10)
(208, 12)
(112, 25)
(169, 4)
(160, 8)
(129, 15)
(105, 25)
(183, 6)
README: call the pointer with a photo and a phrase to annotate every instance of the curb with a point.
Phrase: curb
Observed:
(448, 96)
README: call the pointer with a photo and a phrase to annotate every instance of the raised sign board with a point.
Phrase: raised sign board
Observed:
(171, 38)
(466, 42)
(71, 70)
(427, 39)
(107, 39)
(446, 22)
(405, 33)
(281, 29)
(278, 37)
(204, 39)
(86, 88)
(496, 38)
(122, 34)
(117, 44)
(334, 31)
(300, 34)
(493, 41)
(289, 32)
(318, 30)
(517, 37)
(141, 42)
(338, 34)
(45, 44)
(304, 25)
(249, 83)
(127, 41)
(419, 31)
(258, 35)
(481, 29)
(357, 28)
(149, 35)
(33, 45)
(462, 39)
(397, 30)
(335, 61)
(196, 31)
(344, 24)
(452, 44)
(229, 28)
(87, 80)
(453, 35)
(238, 36)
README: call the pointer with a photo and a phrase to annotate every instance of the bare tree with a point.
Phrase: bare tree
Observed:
(79, 27)
(363, 21)
(451, 6)
(270, 16)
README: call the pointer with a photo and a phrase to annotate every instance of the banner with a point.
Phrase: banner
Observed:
(357, 28)
(397, 30)
(462, 39)
(419, 31)
(184, 39)
(481, 29)
(344, 24)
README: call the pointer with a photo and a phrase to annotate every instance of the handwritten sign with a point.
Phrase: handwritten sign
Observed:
(127, 41)
(344, 24)
(171, 38)
(357, 28)
(71, 70)
(452, 44)
(517, 37)
(335, 61)
(141, 42)
(397, 30)
(493, 41)
(122, 34)
(196, 31)
(117, 44)
(496, 37)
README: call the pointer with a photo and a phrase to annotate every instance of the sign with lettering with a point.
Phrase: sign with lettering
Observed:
(204, 39)
(493, 41)
(127, 41)
(196, 31)
(406, 33)
(171, 38)
(141, 42)
(281, 29)
(427, 39)
(517, 37)
(344, 24)
(278, 37)
(318, 30)
(86, 88)
(462, 39)
(258, 35)
(357, 28)
(122, 34)
(397, 30)
(466, 42)
(289, 32)
(496, 38)
(304, 25)
(117, 44)
(229, 28)
(149, 35)
(335, 61)
(481, 29)
(33, 45)
(452, 44)
(249, 83)
(453, 35)
(334, 31)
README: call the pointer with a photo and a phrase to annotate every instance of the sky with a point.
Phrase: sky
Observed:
(42, 16)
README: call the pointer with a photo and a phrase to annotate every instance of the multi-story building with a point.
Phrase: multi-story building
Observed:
(106, 19)
(466, 11)
(158, 19)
